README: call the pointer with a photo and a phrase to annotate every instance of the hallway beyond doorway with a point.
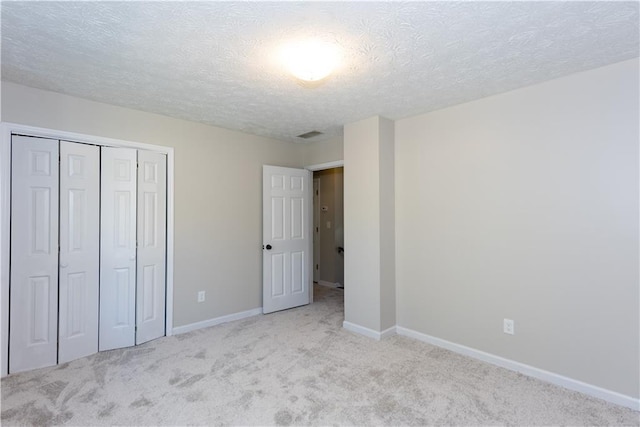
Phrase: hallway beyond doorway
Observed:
(328, 227)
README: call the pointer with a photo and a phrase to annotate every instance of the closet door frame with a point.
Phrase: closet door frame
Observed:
(8, 129)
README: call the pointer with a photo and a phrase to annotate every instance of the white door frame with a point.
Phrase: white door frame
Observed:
(313, 168)
(6, 130)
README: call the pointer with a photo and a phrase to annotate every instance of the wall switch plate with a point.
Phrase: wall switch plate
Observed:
(201, 296)
(509, 326)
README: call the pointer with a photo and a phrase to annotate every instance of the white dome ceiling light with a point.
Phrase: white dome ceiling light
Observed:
(310, 61)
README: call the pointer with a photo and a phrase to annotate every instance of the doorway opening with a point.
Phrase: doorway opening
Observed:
(328, 227)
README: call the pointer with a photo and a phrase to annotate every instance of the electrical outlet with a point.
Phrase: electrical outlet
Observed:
(509, 326)
(201, 296)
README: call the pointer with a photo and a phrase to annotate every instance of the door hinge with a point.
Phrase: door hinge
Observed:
(317, 268)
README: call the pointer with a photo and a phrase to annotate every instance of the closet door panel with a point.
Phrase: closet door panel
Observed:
(117, 248)
(79, 250)
(152, 237)
(34, 254)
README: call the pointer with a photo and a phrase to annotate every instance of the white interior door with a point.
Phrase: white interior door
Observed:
(34, 254)
(117, 248)
(152, 237)
(286, 203)
(79, 250)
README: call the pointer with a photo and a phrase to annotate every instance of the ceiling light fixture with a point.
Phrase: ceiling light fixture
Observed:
(311, 60)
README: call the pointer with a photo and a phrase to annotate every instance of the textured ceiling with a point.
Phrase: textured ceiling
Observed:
(213, 62)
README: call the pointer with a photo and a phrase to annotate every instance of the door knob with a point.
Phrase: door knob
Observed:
(268, 247)
(63, 265)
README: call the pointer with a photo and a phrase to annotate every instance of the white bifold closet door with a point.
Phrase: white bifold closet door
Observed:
(79, 250)
(118, 248)
(54, 252)
(133, 247)
(33, 337)
(88, 250)
(152, 237)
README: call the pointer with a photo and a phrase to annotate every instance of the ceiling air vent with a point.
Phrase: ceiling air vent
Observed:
(309, 134)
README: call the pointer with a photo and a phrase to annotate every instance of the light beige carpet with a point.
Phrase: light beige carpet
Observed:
(294, 367)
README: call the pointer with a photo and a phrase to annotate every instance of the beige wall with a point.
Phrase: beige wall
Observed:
(525, 206)
(218, 192)
(327, 151)
(387, 225)
(362, 224)
(369, 227)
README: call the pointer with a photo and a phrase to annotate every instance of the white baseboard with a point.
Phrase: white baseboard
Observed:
(361, 330)
(216, 321)
(369, 332)
(388, 332)
(541, 374)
